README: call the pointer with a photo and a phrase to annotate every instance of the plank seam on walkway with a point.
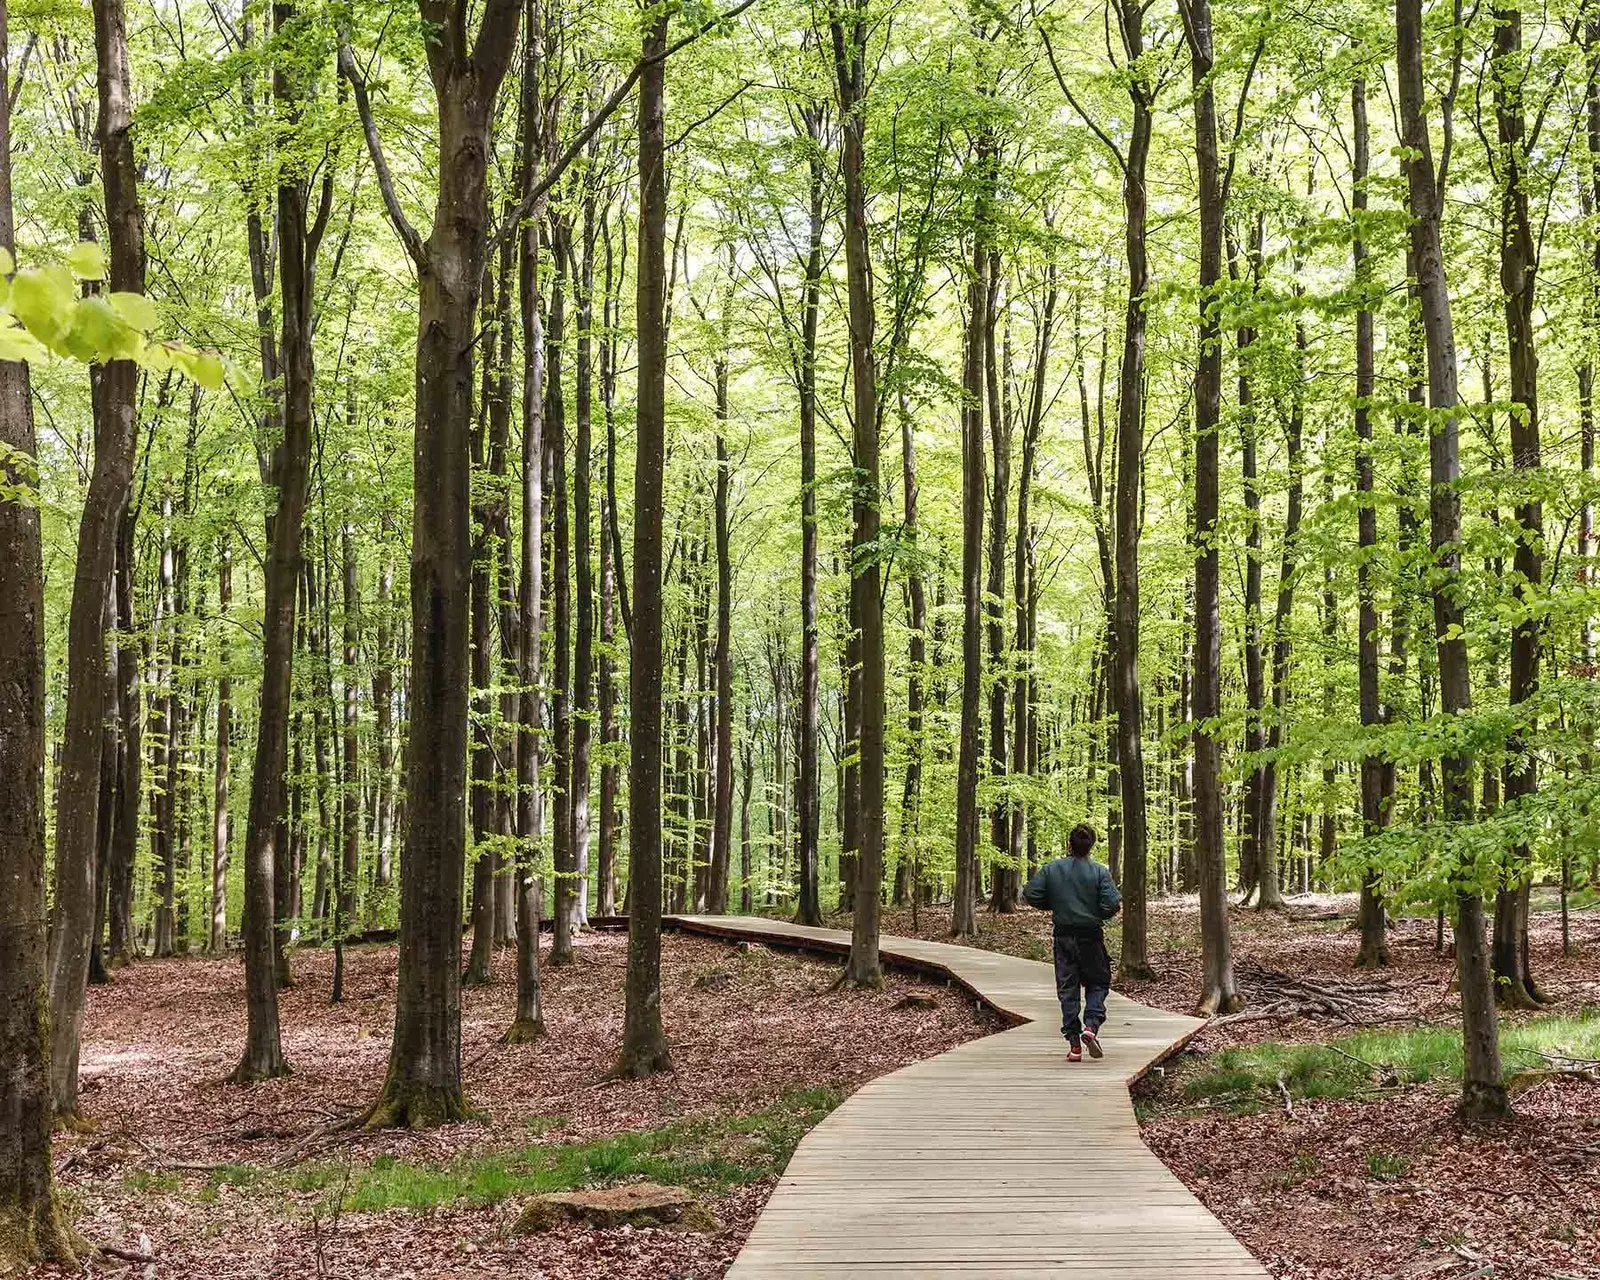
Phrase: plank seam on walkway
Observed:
(891, 1184)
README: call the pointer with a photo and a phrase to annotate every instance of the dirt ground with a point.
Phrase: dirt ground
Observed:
(158, 1043)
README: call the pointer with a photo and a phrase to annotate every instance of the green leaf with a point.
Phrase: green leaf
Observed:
(44, 298)
(136, 309)
(87, 261)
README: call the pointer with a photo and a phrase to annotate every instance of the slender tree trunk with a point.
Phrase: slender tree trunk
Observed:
(1519, 266)
(1130, 479)
(32, 1226)
(115, 393)
(1003, 887)
(849, 31)
(528, 1023)
(963, 921)
(808, 776)
(120, 941)
(1483, 1091)
(1219, 994)
(221, 829)
(383, 707)
(1375, 778)
(722, 748)
(583, 572)
(423, 1085)
(555, 441)
(644, 1043)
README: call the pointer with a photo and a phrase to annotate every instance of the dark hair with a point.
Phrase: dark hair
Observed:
(1081, 840)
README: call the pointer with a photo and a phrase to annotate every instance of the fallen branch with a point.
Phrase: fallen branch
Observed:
(1288, 1099)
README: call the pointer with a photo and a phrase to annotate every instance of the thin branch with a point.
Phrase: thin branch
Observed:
(391, 201)
(1089, 120)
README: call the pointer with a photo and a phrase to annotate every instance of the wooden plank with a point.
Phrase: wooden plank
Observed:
(998, 1158)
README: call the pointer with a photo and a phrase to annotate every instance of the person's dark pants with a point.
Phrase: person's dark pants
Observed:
(1082, 963)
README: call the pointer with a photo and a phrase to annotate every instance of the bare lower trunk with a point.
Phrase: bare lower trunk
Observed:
(115, 394)
(644, 1042)
(1483, 1091)
(32, 1226)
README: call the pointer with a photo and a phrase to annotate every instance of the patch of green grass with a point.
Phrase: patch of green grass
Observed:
(1382, 1166)
(1352, 1066)
(152, 1180)
(230, 1175)
(714, 1154)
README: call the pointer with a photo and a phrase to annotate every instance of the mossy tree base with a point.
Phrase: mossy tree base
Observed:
(404, 1105)
(641, 1061)
(524, 1031)
(256, 1067)
(32, 1234)
(1482, 1102)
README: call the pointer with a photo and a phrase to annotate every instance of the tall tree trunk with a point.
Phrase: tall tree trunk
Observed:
(1483, 1092)
(350, 790)
(383, 706)
(32, 1226)
(908, 871)
(849, 30)
(1519, 266)
(963, 920)
(528, 1023)
(482, 809)
(606, 874)
(1255, 684)
(1271, 895)
(1219, 993)
(583, 573)
(120, 940)
(423, 1085)
(644, 1043)
(722, 747)
(1003, 886)
(1130, 479)
(1375, 778)
(115, 393)
(221, 828)
(808, 775)
(555, 441)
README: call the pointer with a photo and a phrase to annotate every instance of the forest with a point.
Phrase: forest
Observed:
(481, 476)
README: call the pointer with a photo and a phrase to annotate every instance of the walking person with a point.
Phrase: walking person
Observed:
(1080, 896)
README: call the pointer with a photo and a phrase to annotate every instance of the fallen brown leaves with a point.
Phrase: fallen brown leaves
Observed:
(746, 1028)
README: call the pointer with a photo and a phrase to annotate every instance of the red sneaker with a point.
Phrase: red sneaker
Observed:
(1074, 1053)
(1091, 1041)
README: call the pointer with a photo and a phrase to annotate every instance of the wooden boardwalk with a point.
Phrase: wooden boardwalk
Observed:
(996, 1159)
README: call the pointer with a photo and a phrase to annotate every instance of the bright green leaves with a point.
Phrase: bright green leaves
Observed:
(43, 311)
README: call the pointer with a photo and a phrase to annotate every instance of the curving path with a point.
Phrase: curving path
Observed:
(996, 1159)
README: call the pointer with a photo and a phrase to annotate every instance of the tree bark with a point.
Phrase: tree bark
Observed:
(1130, 479)
(722, 747)
(644, 1043)
(850, 29)
(555, 441)
(1519, 267)
(221, 828)
(1375, 778)
(32, 1225)
(808, 776)
(423, 1085)
(583, 573)
(1483, 1092)
(1219, 993)
(115, 393)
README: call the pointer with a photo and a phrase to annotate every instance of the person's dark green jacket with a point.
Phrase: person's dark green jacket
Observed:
(1078, 893)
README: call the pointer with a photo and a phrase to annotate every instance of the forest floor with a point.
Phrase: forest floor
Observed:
(225, 1182)
(1319, 1125)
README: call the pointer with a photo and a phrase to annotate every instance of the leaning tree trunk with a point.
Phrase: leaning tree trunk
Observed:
(115, 392)
(1519, 266)
(1375, 798)
(849, 31)
(1483, 1092)
(1218, 994)
(32, 1227)
(644, 1042)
